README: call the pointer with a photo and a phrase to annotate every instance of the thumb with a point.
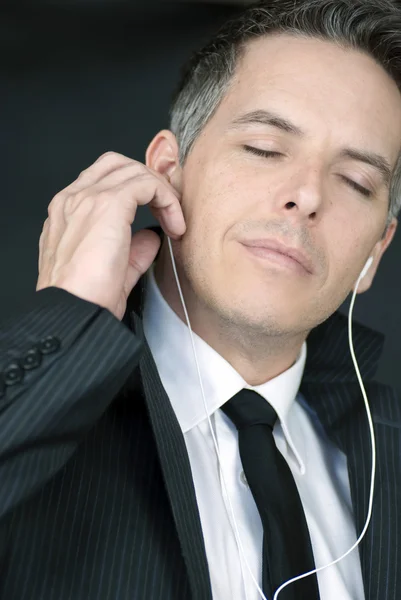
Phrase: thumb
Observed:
(145, 245)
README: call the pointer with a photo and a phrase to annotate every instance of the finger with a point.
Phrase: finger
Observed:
(163, 202)
(130, 170)
(105, 164)
(144, 247)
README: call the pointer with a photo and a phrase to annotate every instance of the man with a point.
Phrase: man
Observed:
(285, 135)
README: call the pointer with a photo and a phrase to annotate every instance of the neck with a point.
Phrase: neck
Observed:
(257, 357)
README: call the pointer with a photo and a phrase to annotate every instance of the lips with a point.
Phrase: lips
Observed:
(290, 251)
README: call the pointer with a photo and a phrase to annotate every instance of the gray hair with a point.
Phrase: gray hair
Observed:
(372, 26)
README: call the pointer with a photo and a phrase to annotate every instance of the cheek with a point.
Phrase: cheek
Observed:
(213, 207)
(345, 262)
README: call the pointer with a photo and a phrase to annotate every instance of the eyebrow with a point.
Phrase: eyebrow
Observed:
(264, 117)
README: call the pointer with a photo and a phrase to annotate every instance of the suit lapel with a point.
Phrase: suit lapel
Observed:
(174, 460)
(335, 395)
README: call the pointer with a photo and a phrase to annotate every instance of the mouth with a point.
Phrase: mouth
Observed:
(275, 254)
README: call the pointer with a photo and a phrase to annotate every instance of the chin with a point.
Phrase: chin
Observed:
(255, 311)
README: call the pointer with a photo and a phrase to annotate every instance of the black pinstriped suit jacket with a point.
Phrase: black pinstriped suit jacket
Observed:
(96, 495)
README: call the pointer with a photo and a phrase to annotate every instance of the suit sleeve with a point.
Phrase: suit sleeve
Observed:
(62, 362)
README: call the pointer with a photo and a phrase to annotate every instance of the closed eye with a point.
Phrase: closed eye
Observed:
(270, 153)
(259, 152)
(359, 188)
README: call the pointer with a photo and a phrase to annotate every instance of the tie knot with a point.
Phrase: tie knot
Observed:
(248, 408)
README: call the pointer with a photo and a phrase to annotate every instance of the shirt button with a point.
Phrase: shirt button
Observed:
(243, 479)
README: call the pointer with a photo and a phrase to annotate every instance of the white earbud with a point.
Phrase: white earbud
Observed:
(366, 267)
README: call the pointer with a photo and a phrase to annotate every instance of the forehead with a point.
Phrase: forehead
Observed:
(323, 87)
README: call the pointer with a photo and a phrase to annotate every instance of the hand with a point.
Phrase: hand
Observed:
(86, 246)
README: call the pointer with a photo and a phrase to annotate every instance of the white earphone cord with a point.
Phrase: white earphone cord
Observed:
(372, 434)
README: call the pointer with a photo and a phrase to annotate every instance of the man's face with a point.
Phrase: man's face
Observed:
(308, 196)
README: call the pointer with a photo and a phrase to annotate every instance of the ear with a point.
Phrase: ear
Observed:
(377, 254)
(162, 155)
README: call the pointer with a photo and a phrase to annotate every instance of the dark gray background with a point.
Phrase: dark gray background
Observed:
(82, 77)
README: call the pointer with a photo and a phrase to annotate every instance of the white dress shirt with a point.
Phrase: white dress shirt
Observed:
(318, 467)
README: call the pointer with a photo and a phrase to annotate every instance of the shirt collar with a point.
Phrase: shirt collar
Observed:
(170, 343)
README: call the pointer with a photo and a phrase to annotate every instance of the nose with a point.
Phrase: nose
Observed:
(304, 193)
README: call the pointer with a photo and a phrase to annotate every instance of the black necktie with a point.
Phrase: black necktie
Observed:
(287, 550)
